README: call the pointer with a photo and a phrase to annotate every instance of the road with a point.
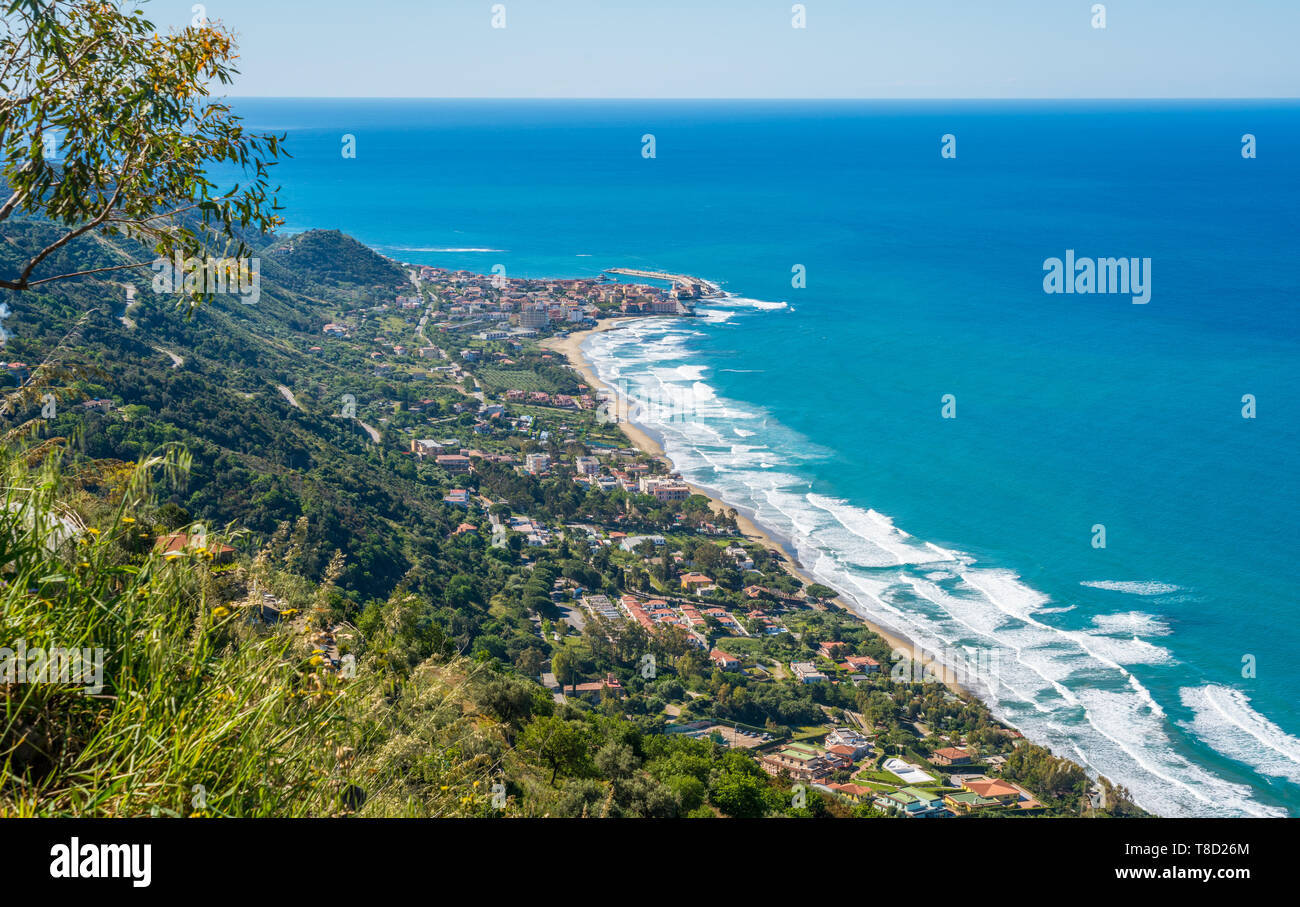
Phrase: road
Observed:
(371, 430)
(177, 361)
(288, 395)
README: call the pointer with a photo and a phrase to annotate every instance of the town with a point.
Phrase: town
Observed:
(645, 599)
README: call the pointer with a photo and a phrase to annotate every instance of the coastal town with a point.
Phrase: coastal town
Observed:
(648, 598)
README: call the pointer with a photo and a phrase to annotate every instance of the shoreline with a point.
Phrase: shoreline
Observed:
(571, 348)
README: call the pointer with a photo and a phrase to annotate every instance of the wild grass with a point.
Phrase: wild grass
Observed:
(200, 713)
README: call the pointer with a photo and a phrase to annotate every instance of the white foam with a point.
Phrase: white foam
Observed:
(1069, 689)
(879, 531)
(1132, 623)
(1223, 719)
(730, 299)
(1165, 781)
(1149, 587)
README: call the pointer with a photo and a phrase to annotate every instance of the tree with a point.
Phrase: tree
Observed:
(560, 744)
(741, 796)
(107, 128)
(818, 591)
(563, 665)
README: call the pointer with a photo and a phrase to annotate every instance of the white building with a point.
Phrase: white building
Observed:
(806, 672)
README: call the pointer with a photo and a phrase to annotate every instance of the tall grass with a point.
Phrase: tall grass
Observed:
(200, 713)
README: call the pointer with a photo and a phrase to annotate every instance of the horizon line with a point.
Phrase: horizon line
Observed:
(748, 98)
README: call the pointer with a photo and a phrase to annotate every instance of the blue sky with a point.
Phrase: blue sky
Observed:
(748, 49)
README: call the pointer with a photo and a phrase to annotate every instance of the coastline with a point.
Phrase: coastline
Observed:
(571, 348)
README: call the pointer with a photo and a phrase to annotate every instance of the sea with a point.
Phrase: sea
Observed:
(1087, 499)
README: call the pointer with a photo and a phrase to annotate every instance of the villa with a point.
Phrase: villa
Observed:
(950, 756)
(806, 672)
(691, 581)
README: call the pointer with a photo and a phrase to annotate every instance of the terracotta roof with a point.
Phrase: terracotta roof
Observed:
(991, 788)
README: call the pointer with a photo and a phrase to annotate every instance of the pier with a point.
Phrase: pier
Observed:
(687, 286)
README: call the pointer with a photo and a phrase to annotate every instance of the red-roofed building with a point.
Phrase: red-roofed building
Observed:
(992, 789)
(692, 581)
(950, 755)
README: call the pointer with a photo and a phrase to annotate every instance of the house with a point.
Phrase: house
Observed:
(671, 492)
(861, 664)
(848, 754)
(724, 661)
(631, 542)
(453, 462)
(827, 649)
(595, 689)
(694, 581)
(799, 760)
(806, 672)
(741, 557)
(18, 371)
(993, 789)
(537, 463)
(458, 497)
(174, 545)
(849, 742)
(950, 755)
(912, 801)
(856, 793)
(968, 801)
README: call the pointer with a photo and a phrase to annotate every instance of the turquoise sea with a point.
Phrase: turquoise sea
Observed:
(1164, 660)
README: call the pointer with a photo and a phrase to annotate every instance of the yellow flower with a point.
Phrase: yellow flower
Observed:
(316, 660)
(220, 611)
(128, 519)
(92, 529)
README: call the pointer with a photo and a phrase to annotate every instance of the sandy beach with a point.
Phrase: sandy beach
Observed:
(571, 348)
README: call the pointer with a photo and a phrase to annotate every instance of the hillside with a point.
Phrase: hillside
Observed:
(330, 257)
(375, 621)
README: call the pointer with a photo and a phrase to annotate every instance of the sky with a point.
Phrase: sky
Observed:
(750, 49)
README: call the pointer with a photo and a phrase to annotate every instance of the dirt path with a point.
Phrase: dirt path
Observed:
(177, 361)
(288, 395)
